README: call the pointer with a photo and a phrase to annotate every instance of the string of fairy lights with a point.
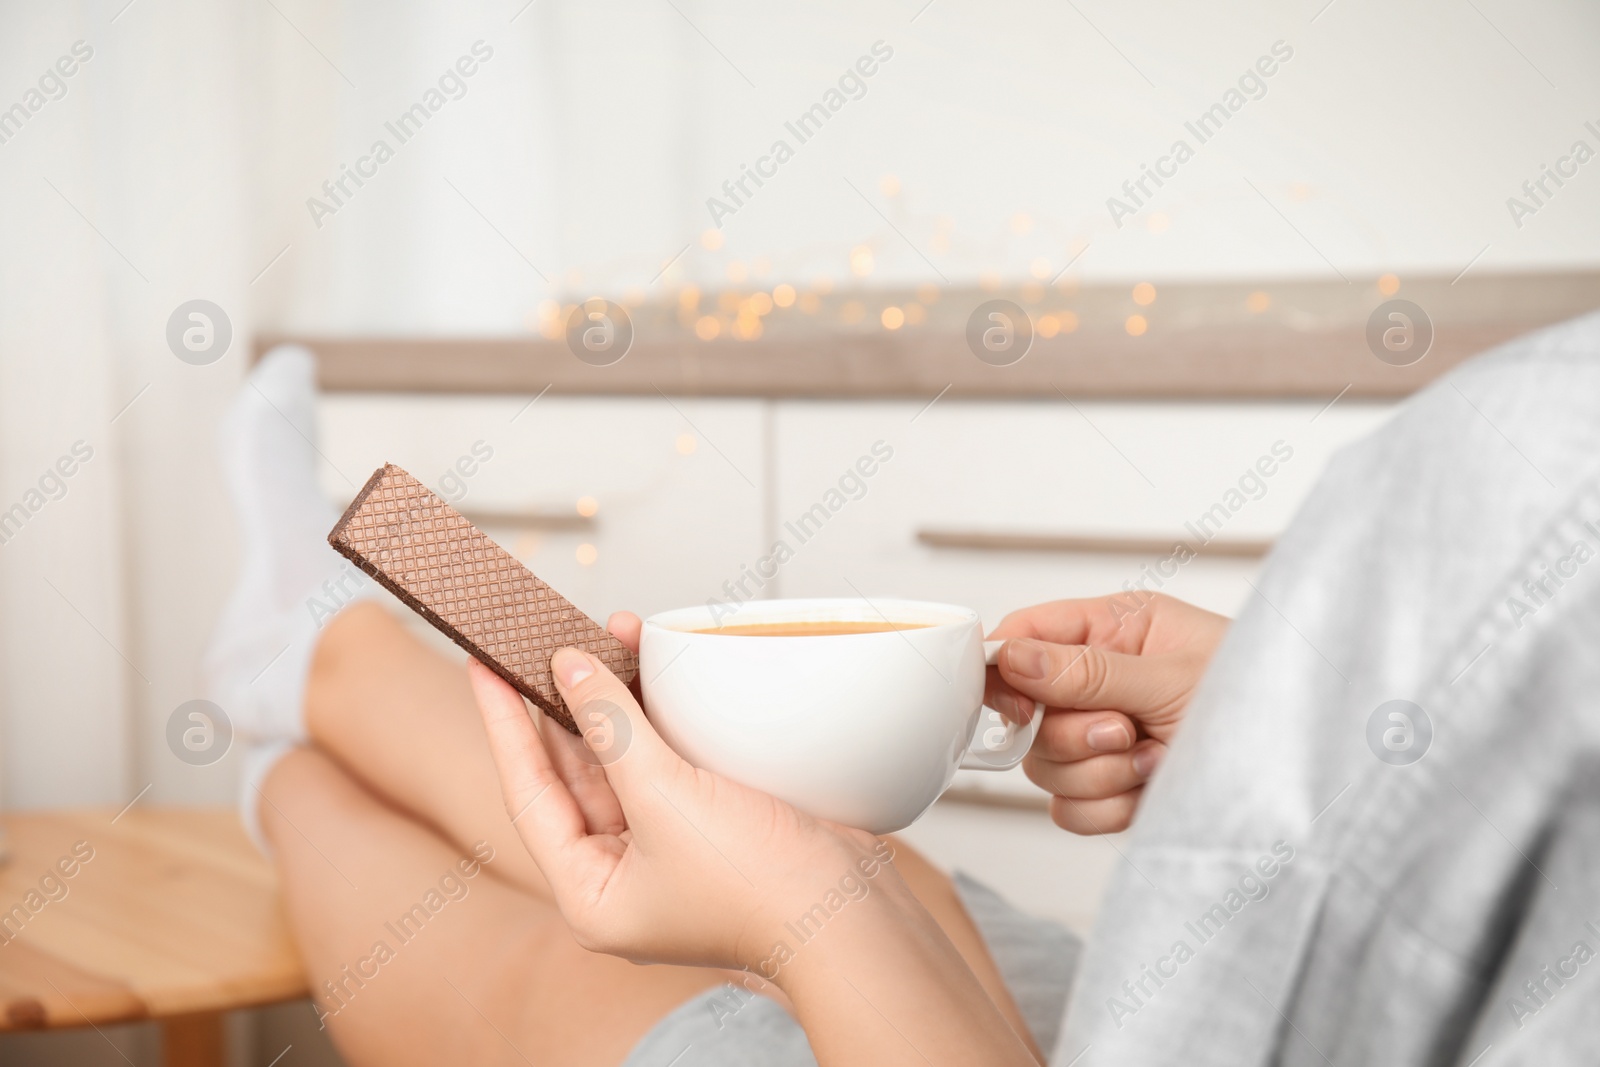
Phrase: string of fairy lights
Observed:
(748, 301)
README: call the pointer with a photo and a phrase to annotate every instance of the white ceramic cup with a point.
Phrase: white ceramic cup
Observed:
(864, 729)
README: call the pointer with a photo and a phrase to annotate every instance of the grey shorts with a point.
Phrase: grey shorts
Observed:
(729, 1027)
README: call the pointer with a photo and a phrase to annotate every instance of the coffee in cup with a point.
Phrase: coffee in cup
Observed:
(809, 628)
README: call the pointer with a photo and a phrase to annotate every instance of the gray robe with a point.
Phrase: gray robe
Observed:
(1316, 881)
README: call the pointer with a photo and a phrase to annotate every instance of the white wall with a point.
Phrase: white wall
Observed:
(593, 139)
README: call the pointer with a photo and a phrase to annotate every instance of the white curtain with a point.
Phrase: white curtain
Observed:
(126, 193)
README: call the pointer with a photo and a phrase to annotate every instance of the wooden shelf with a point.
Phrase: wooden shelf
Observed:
(1203, 341)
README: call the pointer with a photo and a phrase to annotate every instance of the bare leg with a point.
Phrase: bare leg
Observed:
(400, 719)
(937, 893)
(491, 977)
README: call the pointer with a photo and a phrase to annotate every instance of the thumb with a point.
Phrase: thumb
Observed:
(615, 730)
(1151, 689)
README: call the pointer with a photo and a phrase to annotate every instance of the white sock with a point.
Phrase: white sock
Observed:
(259, 759)
(291, 582)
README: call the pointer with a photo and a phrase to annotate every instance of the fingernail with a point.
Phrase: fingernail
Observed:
(1014, 707)
(1028, 658)
(1108, 736)
(1146, 760)
(570, 666)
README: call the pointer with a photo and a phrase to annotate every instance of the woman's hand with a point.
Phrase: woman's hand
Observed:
(656, 861)
(648, 857)
(1115, 682)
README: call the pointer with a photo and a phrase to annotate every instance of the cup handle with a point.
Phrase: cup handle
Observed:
(998, 744)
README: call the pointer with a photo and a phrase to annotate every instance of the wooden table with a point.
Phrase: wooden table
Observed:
(174, 918)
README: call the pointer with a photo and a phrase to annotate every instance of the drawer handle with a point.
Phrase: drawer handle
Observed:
(530, 518)
(995, 798)
(1100, 544)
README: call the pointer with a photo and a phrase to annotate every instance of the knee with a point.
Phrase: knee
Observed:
(303, 782)
(362, 650)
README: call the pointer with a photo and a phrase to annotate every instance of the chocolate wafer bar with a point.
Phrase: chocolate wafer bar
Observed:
(473, 591)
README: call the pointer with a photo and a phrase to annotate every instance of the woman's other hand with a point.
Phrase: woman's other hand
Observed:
(1115, 680)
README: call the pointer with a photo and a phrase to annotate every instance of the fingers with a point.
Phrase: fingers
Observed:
(1110, 816)
(614, 726)
(1065, 736)
(576, 765)
(625, 627)
(584, 776)
(1096, 778)
(1006, 700)
(1094, 768)
(1091, 678)
(543, 811)
(1107, 621)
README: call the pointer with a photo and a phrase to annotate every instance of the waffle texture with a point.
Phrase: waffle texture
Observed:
(469, 588)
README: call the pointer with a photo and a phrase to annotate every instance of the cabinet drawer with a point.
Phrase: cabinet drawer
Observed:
(675, 491)
(1155, 472)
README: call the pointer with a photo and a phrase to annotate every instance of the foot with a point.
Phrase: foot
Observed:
(290, 582)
